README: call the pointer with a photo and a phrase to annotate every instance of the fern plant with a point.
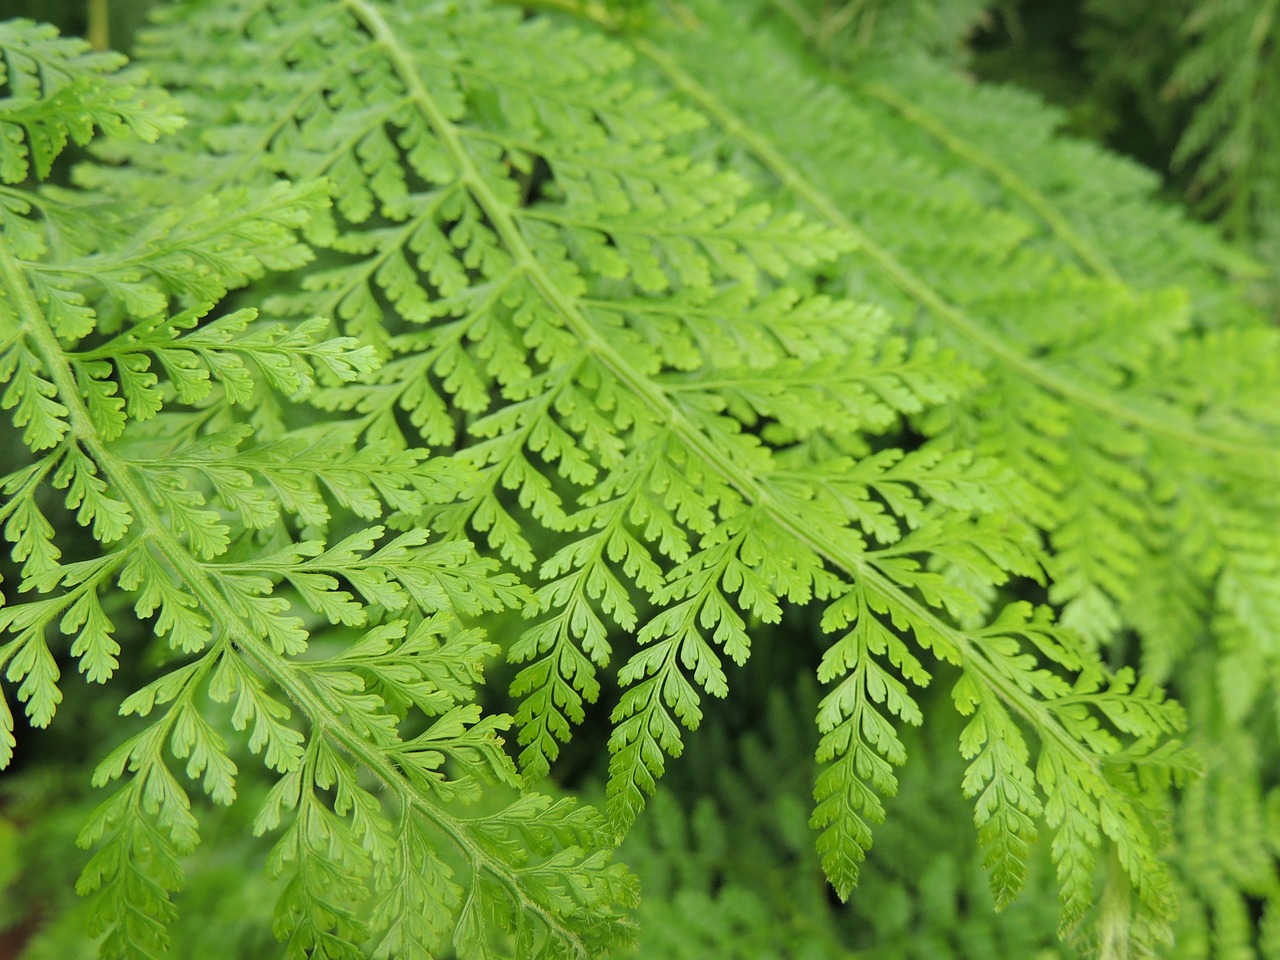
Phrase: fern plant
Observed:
(1091, 430)
(689, 355)
(1087, 219)
(234, 533)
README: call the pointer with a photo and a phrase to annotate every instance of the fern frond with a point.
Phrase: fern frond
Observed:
(1036, 399)
(1077, 403)
(609, 317)
(58, 92)
(183, 525)
(731, 871)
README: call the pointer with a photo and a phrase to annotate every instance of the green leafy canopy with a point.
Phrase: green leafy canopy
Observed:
(654, 327)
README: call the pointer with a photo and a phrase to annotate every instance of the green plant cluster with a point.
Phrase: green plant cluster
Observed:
(514, 477)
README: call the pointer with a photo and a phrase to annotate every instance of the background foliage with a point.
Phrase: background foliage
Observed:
(803, 333)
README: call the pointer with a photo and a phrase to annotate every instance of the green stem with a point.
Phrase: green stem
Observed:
(99, 28)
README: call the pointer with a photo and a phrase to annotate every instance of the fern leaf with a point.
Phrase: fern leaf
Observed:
(112, 360)
(573, 271)
(59, 92)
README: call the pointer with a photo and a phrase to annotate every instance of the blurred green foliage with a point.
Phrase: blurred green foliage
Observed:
(71, 17)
